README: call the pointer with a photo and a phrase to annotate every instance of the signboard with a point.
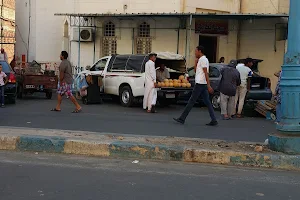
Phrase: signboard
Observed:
(211, 26)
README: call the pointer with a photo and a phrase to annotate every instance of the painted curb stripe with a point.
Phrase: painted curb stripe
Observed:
(146, 151)
(121, 149)
(41, 144)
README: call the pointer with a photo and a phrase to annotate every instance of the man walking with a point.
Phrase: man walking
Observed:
(150, 83)
(202, 88)
(65, 83)
(227, 87)
(245, 72)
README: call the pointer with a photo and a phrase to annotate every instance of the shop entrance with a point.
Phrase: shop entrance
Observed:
(210, 45)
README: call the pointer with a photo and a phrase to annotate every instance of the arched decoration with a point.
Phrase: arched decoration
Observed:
(66, 29)
(144, 30)
(109, 29)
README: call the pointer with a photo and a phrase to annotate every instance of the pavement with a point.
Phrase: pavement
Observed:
(30, 176)
(34, 112)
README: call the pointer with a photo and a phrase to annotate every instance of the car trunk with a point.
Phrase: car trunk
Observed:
(258, 83)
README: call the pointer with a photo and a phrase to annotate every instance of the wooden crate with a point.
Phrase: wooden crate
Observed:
(266, 109)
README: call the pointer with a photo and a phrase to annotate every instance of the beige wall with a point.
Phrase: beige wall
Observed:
(133, 6)
(265, 6)
(230, 6)
(257, 41)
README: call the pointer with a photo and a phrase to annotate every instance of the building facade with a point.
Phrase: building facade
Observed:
(7, 24)
(120, 27)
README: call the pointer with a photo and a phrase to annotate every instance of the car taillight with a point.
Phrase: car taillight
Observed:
(269, 83)
(12, 78)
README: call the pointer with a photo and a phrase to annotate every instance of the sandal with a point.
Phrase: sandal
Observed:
(77, 111)
(55, 110)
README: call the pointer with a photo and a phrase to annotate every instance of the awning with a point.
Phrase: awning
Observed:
(177, 15)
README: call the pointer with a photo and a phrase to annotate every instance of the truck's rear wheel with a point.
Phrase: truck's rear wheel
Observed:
(20, 92)
(164, 102)
(126, 96)
(49, 94)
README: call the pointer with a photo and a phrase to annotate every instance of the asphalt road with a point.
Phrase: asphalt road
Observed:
(29, 177)
(112, 118)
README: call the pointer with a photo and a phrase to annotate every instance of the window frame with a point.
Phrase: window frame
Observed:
(101, 60)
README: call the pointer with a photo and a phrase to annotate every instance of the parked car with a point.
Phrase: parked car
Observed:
(259, 86)
(124, 76)
(10, 91)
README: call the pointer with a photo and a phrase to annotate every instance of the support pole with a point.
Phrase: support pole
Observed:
(79, 45)
(287, 137)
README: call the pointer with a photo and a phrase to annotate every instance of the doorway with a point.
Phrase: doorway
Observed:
(210, 45)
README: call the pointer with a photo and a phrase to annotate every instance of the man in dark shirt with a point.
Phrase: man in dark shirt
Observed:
(227, 87)
(65, 83)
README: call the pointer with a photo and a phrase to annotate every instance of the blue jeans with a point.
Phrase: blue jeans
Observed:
(2, 94)
(199, 90)
(278, 112)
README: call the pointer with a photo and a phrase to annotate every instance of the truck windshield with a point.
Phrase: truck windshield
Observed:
(5, 67)
(100, 65)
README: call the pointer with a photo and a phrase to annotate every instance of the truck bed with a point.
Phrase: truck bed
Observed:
(35, 81)
(173, 89)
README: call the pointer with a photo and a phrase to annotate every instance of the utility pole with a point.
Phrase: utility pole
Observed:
(1, 24)
(287, 137)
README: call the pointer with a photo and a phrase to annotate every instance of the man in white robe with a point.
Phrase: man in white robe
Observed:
(150, 82)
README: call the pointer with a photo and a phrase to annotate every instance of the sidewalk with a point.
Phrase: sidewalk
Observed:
(144, 147)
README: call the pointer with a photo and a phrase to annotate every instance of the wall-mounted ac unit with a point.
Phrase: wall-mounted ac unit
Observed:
(86, 34)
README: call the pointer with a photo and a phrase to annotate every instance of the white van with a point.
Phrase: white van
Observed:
(124, 76)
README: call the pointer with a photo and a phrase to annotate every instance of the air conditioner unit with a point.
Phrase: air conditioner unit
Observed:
(86, 34)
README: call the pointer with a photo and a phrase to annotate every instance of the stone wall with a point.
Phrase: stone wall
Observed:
(8, 25)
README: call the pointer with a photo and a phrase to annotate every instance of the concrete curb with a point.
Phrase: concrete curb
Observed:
(140, 147)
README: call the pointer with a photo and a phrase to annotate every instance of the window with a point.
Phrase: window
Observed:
(110, 30)
(144, 41)
(109, 43)
(144, 30)
(191, 72)
(119, 63)
(100, 65)
(214, 72)
(135, 63)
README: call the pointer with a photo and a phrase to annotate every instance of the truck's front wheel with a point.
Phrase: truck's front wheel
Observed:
(126, 96)
(164, 102)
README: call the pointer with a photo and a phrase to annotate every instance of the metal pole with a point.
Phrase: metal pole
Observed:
(79, 39)
(132, 45)
(186, 40)
(190, 37)
(287, 137)
(29, 30)
(94, 58)
(1, 24)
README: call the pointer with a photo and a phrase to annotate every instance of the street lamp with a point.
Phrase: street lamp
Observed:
(287, 137)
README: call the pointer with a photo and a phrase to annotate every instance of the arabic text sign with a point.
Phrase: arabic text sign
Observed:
(210, 26)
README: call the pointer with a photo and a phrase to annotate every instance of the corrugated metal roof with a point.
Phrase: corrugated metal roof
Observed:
(195, 15)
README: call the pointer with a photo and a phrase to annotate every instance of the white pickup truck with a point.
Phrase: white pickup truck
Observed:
(124, 76)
